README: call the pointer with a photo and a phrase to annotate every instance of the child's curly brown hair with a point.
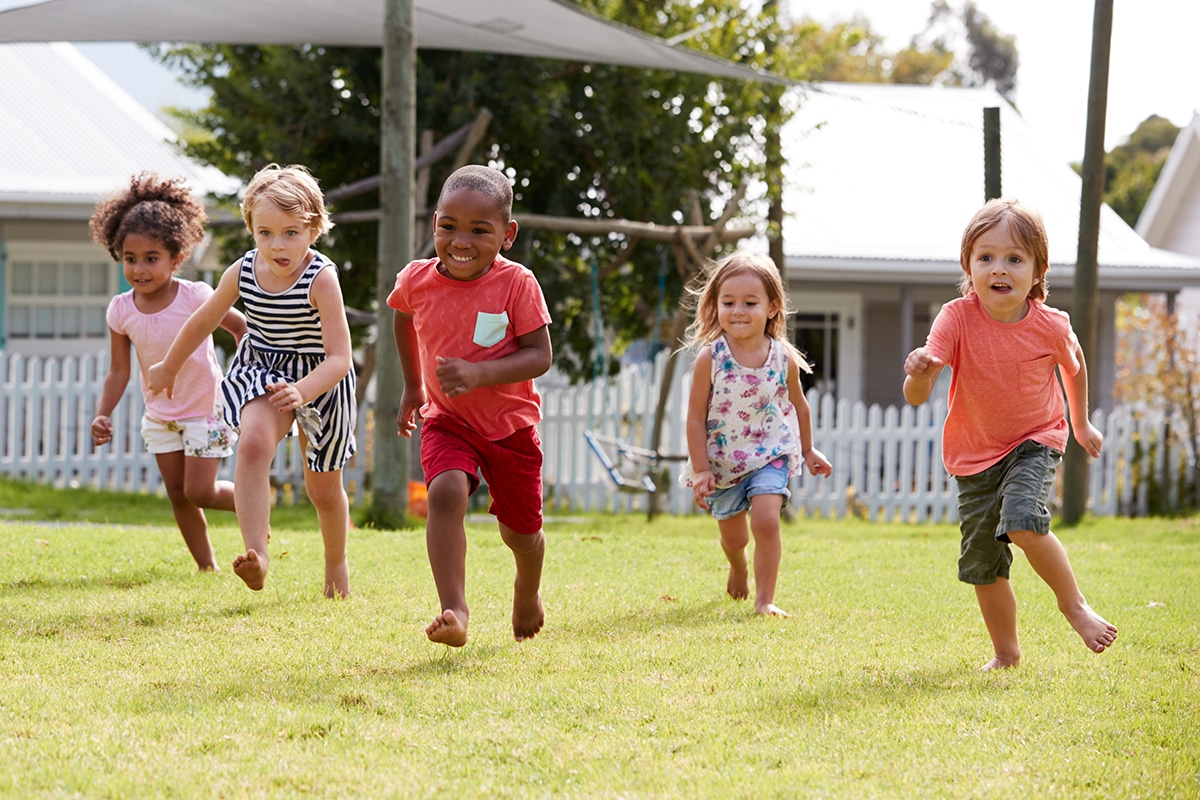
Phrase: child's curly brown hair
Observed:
(161, 209)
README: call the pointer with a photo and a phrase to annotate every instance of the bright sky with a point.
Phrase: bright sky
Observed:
(1153, 67)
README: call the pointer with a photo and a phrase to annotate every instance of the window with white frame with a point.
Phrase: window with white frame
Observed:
(59, 299)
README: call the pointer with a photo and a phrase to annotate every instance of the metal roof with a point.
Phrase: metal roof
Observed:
(884, 177)
(71, 136)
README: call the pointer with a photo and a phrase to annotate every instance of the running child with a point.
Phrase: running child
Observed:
(749, 427)
(1005, 432)
(151, 228)
(293, 366)
(472, 332)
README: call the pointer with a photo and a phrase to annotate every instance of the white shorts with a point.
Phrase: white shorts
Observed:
(201, 437)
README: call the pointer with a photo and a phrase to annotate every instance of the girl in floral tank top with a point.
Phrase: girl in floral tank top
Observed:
(749, 425)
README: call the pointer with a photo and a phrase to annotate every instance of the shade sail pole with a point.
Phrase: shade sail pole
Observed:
(389, 497)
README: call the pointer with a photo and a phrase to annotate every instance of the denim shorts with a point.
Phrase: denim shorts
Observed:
(733, 500)
(1010, 495)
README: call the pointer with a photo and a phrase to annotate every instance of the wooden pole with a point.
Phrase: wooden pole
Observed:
(1086, 300)
(389, 474)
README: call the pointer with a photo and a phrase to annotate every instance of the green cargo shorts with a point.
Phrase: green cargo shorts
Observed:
(1010, 495)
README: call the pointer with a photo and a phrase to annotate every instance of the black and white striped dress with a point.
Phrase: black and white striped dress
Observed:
(283, 343)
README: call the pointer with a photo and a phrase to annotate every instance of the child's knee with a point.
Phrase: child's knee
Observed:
(521, 542)
(201, 496)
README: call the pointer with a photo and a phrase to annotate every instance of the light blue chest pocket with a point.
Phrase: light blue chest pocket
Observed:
(490, 328)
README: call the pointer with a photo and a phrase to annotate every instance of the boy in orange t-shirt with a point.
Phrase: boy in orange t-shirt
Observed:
(1005, 432)
(472, 332)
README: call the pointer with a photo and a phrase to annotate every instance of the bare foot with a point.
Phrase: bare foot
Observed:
(209, 567)
(447, 629)
(738, 585)
(527, 617)
(999, 663)
(1096, 632)
(337, 580)
(251, 569)
(770, 610)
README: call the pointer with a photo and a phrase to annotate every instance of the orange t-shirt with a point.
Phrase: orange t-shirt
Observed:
(1003, 386)
(478, 320)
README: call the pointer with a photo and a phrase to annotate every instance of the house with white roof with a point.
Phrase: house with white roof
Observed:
(69, 137)
(879, 184)
(1171, 217)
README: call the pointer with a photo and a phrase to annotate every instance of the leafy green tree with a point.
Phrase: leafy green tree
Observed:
(1133, 167)
(578, 140)
(315, 106)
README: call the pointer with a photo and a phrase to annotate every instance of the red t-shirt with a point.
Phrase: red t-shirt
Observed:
(477, 320)
(1003, 388)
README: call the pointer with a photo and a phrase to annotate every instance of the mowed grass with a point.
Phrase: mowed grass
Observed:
(124, 673)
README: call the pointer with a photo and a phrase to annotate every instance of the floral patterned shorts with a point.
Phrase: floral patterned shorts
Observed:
(202, 437)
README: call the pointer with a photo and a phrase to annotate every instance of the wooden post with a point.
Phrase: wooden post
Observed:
(991, 153)
(1086, 301)
(389, 475)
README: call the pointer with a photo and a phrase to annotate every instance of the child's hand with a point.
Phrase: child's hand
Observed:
(1090, 439)
(456, 376)
(817, 463)
(919, 363)
(101, 430)
(285, 396)
(159, 379)
(410, 405)
(703, 485)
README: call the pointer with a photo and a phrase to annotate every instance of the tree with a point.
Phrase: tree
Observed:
(1158, 368)
(929, 58)
(1132, 168)
(592, 141)
(316, 106)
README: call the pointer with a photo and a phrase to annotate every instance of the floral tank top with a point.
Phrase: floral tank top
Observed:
(751, 419)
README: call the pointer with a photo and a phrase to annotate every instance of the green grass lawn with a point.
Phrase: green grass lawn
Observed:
(125, 673)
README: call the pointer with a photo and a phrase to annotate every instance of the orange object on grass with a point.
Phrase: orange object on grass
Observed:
(418, 504)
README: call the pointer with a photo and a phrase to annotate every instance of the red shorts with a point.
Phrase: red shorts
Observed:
(512, 468)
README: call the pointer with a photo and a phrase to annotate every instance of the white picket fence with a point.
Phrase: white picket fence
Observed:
(887, 461)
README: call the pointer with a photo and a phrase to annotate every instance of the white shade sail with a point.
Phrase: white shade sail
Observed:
(540, 28)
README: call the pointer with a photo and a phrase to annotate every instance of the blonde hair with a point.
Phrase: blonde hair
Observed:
(293, 190)
(1029, 230)
(706, 290)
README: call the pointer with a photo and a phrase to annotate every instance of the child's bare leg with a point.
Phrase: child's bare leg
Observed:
(999, 607)
(262, 429)
(1049, 560)
(202, 487)
(735, 536)
(446, 541)
(190, 518)
(529, 551)
(328, 496)
(768, 551)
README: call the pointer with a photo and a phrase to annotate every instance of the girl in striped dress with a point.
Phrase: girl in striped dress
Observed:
(294, 365)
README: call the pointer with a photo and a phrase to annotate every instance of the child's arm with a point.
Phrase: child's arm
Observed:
(704, 483)
(326, 297)
(235, 323)
(921, 373)
(413, 397)
(203, 321)
(1076, 387)
(115, 381)
(814, 459)
(457, 377)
